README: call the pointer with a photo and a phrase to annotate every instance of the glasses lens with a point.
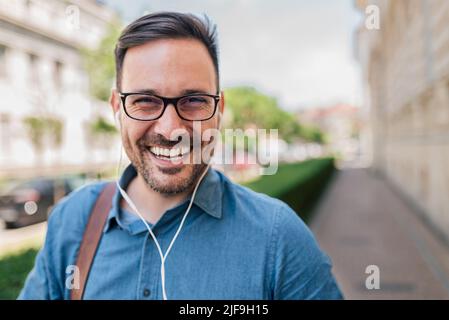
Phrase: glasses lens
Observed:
(197, 107)
(143, 107)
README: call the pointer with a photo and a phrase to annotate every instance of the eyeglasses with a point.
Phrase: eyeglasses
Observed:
(191, 107)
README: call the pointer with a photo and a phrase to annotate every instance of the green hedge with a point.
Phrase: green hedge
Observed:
(13, 271)
(297, 184)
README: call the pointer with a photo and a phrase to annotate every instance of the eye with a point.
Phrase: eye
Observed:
(196, 100)
(143, 101)
(146, 100)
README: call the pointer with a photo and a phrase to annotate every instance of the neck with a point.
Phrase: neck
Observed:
(150, 203)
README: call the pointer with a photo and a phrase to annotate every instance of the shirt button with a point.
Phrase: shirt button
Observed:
(146, 292)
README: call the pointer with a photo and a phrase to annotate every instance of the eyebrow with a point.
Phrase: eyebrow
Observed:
(183, 92)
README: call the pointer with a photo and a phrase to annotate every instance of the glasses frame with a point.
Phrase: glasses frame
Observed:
(167, 101)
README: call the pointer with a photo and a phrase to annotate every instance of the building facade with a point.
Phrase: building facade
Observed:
(405, 65)
(42, 76)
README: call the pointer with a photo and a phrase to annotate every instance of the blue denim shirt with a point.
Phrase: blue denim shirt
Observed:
(235, 244)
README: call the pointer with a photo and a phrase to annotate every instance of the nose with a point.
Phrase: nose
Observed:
(169, 122)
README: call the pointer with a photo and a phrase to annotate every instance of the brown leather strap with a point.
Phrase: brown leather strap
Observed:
(91, 238)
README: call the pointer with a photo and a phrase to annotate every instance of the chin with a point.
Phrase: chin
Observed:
(170, 180)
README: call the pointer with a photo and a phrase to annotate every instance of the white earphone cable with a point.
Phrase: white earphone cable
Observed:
(133, 206)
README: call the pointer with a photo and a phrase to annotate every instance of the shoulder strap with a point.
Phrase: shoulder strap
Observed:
(91, 237)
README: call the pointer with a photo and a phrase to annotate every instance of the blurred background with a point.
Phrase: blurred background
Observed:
(358, 90)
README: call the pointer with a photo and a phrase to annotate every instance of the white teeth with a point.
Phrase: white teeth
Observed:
(154, 150)
(172, 153)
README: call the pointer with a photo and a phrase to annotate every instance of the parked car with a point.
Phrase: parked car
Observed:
(28, 202)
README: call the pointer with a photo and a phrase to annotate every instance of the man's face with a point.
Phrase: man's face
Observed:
(169, 68)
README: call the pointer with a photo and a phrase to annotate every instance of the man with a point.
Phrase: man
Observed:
(233, 244)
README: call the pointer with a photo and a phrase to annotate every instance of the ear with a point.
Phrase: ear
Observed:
(115, 101)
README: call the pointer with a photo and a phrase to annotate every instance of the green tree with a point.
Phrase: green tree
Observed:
(100, 65)
(101, 126)
(55, 131)
(35, 127)
(100, 132)
(250, 107)
(44, 129)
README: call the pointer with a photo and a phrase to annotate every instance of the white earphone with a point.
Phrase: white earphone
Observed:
(162, 256)
(117, 119)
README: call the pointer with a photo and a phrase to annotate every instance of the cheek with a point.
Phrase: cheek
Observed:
(133, 133)
(208, 130)
(210, 124)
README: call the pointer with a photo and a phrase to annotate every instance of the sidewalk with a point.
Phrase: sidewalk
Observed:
(361, 221)
(15, 239)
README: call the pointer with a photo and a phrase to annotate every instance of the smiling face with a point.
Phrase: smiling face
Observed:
(169, 68)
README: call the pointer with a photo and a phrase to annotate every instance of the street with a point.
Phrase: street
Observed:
(362, 221)
(11, 239)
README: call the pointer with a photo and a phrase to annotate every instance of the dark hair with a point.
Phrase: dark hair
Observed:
(167, 25)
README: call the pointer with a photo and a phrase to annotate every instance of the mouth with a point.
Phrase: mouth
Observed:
(175, 154)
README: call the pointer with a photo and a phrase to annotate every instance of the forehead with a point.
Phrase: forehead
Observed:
(168, 65)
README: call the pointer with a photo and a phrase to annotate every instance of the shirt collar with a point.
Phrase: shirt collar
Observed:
(208, 196)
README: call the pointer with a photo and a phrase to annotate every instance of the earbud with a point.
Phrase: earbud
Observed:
(117, 119)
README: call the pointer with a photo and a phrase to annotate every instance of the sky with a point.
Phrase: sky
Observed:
(299, 51)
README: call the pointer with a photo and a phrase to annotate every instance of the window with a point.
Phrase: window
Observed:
(3, 50)
(57, 75)
(5, 133)
(33, 70)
